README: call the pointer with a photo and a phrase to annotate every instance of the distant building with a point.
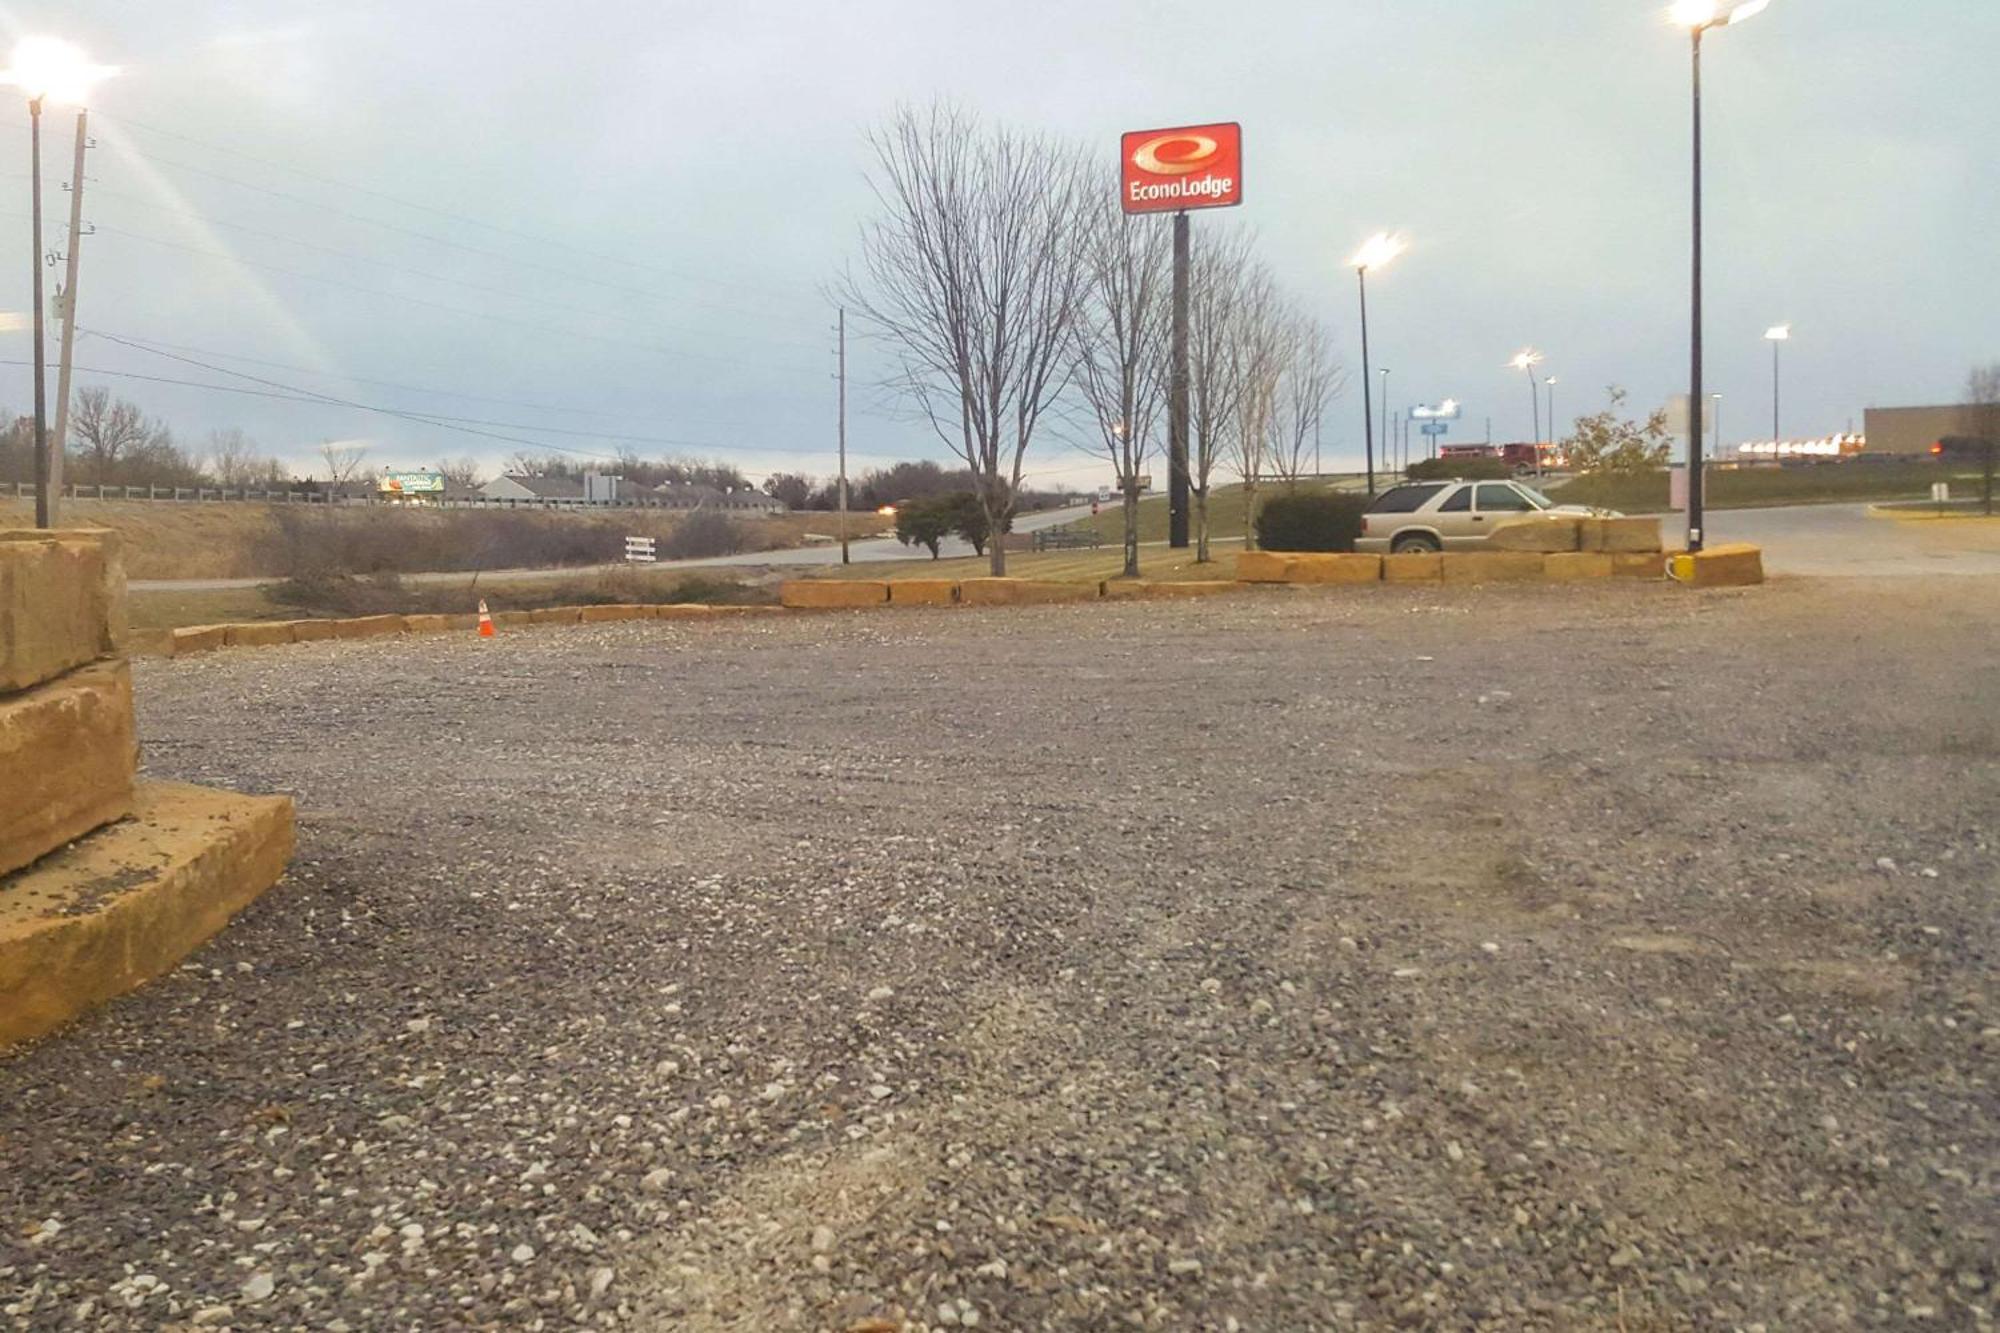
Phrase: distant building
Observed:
(521, 486)
(1913, 430)
(595, 489)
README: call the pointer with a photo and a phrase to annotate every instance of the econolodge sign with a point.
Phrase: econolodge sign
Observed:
(1195, 166)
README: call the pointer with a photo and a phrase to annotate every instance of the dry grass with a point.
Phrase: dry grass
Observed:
(169, 608)
(222, 540)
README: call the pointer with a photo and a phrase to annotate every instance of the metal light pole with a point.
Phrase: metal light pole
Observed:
(46, 69)
(1376, 251)
(1388, 443)
(1776, 335)
(1549, 386)
(44, 501)
(1699, 16)
(1525, 361)
(1715, 424)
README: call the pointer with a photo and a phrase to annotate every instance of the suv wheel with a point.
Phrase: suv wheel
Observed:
(1413, 543)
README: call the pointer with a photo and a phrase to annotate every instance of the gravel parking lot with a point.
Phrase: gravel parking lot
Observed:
(1514, 958)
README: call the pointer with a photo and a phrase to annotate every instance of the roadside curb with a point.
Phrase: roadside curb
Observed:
(1930, 515)
(187, 640)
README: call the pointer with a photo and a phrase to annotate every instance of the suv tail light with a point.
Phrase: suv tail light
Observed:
(1364, 525)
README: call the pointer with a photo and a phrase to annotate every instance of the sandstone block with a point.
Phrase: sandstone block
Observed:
(822, 594)
(923, 592)
(1023, 592)
(367, 627)
(1540, 533)
(1730, 565)
(1262, 566)
(67, 757)
(314, 631)
(1569, 566)
(1121, 590)
(1413, 567)
(199, 639)
(131, 901)
(1334, 567)
(1637, 564)
(1491, 566)
(598, 615)
(62, 602)
(1618, 534)
(259, 634)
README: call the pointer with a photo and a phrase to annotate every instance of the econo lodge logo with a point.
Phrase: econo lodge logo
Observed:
(1196, 166)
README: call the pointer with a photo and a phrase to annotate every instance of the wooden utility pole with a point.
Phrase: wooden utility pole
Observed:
(75, 246)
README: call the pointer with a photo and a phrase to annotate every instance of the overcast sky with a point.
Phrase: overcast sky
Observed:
(620, 219)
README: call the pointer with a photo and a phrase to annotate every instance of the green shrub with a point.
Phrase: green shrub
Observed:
(1310, 521)
(1460, 469)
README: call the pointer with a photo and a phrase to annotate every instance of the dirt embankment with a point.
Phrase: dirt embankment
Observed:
(240, 540)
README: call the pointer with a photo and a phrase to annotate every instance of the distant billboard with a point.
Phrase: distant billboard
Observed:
(412, 483)
(1194, 166)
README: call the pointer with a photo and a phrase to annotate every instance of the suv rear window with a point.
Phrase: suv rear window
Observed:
(1403, 499)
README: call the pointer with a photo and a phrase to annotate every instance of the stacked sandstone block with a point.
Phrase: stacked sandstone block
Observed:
(105, 881)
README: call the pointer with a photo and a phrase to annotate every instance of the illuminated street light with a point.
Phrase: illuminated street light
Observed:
(47, 69)
(1375, 252)
(1698, 16)
(1526, 360)
(1776, 334)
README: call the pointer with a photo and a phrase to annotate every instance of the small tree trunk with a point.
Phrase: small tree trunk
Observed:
(1250, 514)
(1131, 489)
(1201, 526)
(996, 537)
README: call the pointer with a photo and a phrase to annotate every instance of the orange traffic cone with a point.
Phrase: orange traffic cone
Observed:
(485, 621)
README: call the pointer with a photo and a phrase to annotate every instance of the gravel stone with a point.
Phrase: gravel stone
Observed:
(569, 903)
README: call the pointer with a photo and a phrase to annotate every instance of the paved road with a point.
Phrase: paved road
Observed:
(1823, 540)
(1834, 540)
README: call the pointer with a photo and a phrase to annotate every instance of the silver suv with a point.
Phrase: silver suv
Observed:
(1449, 515)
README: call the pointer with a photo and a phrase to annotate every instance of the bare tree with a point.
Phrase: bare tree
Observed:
(1218, 276)
(464, 472)
(1257, 349)
(1120, 354)
(972, 275)
(343, 460)
(234, 460)
(110, 433)
(1312, 378)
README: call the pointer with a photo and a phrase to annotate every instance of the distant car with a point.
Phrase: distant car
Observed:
(1450, 515)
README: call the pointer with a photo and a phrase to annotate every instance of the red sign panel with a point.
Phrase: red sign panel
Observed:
(1197, 166)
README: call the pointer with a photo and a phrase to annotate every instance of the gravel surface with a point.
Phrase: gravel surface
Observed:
(1370, 958)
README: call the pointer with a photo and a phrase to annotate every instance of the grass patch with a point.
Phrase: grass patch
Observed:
(307, 599)
(1225, 511)
(1751, 488)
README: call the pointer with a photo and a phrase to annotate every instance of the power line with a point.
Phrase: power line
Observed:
(589, 311)
(466, 425)
(400, 202)
(482, 315)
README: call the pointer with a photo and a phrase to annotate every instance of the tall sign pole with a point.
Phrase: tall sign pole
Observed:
(1177, 394)
(1174, 171)
(44, 497)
